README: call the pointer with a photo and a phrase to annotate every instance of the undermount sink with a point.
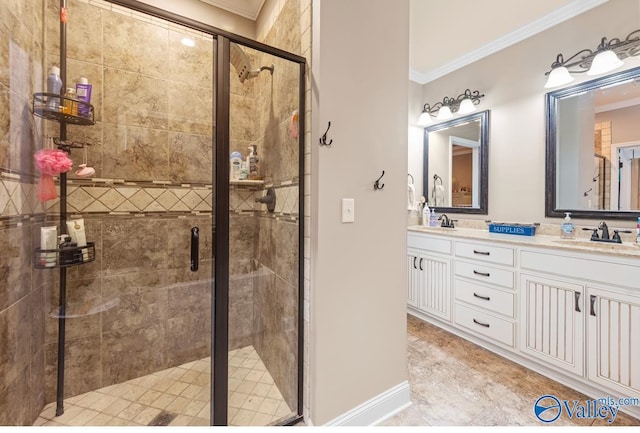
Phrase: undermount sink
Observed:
(437, 228)
(607, 246)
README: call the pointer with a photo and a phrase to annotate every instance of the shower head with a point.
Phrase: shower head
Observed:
(242, 64)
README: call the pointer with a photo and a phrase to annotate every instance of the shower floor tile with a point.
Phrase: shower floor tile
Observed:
(179, 395)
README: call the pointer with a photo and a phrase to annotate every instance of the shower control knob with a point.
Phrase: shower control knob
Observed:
(269, 199)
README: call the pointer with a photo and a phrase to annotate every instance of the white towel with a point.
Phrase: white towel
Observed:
(438, 195)
(411, 197)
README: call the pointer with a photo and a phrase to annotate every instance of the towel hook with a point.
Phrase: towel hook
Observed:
(323, 139)
(412, 181)
(377, 185)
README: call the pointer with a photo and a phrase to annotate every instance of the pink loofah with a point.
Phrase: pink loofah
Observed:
(50, 162)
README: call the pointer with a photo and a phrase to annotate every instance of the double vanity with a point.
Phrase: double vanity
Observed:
(568, 309)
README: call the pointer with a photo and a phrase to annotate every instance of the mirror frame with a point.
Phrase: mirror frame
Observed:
(551, 105)
(483, 198)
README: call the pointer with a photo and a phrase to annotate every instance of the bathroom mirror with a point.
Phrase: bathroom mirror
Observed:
(456, 159)
(593, 148)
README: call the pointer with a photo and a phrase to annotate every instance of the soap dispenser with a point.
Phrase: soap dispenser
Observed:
(567, 230)
(433, 218)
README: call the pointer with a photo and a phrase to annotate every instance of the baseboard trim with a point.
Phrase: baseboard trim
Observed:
(377, 409)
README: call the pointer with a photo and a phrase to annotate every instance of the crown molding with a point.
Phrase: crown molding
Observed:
(564, 13)
(246, 9)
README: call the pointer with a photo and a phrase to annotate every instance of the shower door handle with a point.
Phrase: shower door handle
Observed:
(195, 248)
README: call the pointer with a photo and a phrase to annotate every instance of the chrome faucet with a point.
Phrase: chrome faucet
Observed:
(446, 221)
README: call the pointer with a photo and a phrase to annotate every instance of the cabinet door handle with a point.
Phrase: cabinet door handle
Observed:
(592, 300)
(577, 301)
(420, 264)
(482, 274)
(414, 263)
(486, 325)
(482, 253)
(486, 298)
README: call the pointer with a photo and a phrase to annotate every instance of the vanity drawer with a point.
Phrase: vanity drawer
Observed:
(486, 253)
(482, 323)
(428, 243)
(485, 297)
(485, 274)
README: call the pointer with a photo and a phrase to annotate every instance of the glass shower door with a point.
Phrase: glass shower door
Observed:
(138, 318)
(264, 239)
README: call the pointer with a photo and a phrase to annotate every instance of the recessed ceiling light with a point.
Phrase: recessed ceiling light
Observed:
(188, 42)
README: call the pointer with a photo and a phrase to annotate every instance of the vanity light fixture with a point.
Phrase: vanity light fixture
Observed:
(465, 103)
(607, 57)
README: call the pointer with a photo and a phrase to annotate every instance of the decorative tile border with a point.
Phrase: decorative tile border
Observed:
(18, 197)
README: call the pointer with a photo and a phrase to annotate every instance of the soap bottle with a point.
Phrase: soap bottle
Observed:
(433, 218)
(70, 103)
(425, 215)
(235, 165)
(638, 232)
(54, 85)
(567, 230)
(253, 163)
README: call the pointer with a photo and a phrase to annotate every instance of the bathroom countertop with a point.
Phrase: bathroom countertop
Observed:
(555, 242)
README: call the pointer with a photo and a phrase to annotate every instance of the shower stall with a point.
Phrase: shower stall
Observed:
(190, 313)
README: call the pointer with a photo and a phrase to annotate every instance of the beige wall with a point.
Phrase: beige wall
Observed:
(513, 81)
(358, 312)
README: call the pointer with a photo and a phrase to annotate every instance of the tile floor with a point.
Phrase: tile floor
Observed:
(455, 382)
(179, 396)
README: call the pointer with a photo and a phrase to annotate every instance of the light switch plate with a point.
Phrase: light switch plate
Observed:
(348, 210)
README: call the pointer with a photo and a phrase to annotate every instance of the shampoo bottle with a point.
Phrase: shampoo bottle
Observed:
(253, 162)
(567, 230)
(54, 85)
(83, 93)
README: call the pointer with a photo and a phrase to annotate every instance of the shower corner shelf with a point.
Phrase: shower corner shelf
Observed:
(247, 182)
(41, 108)
(64, 257)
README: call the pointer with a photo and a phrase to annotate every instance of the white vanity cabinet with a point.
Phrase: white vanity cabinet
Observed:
(570, 313)
(552, 321)
(614, 339)
(429, 275)
(484, 290)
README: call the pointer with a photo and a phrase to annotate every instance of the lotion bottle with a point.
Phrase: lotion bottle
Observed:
(567, 230)
(425, 215)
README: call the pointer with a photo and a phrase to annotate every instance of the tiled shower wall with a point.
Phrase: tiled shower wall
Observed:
(21, 287)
